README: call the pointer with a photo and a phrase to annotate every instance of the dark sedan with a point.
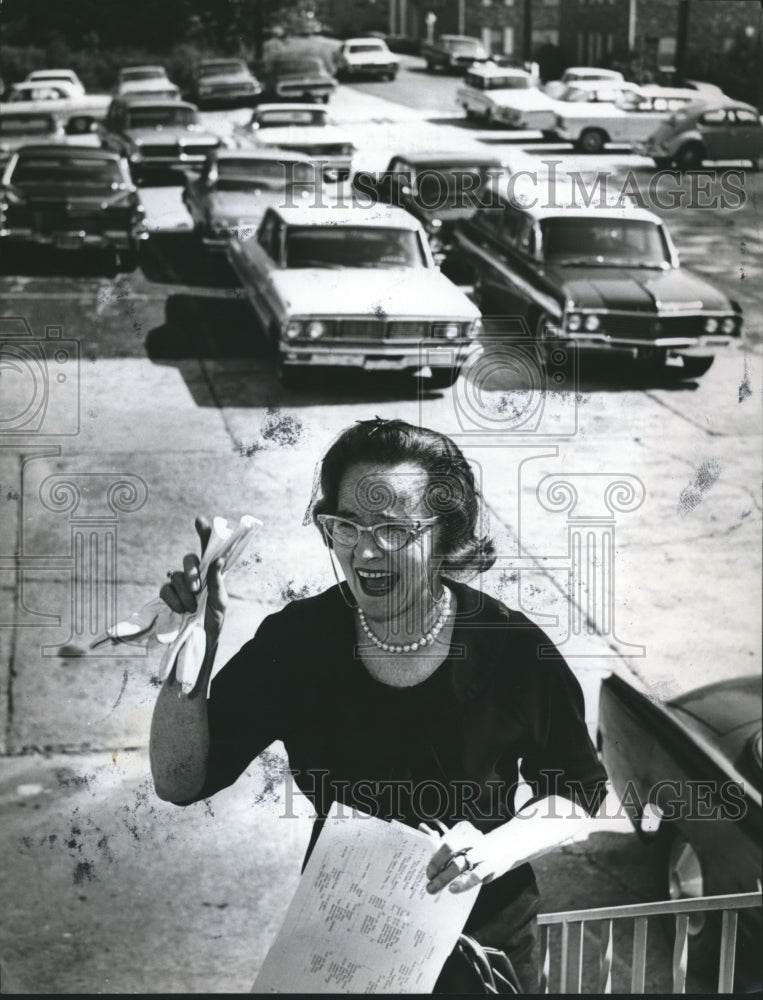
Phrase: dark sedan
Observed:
(689, 774)
(71, 199)
(440, 189)
(604, 277)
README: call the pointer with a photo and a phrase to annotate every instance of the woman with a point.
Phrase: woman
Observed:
(399, 691)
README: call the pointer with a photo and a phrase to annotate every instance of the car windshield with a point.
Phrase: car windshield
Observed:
(27, 124)
(217, 69)
(129, 75)
(452, 187)
(84, 172)
(614, 242)
(366, 47)
(353, 246)
(275, 119)
(275, 175)
(297, 67)
(149, 117)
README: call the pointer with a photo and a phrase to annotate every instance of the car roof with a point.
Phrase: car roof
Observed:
(78, 152)
(146, 101)
(715, 103)
(62, 82)
(566, 201)
(613, 73)
(128, 69)
(380, 216)
(724, 705)
(364, 39)
(65, 73)
(221, 61)
(446, 159)
(491, 68)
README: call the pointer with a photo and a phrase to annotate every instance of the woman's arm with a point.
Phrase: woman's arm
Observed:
(536, 829)
(179, 743)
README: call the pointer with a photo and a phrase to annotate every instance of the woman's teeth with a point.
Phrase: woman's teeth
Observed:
(374, 581)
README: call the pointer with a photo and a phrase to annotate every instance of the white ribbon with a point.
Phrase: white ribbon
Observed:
(183, 634)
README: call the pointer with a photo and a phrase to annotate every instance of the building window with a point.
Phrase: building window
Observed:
(545, 36)
(508, 41)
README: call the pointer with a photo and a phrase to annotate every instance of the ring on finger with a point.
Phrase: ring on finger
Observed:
(468, 864)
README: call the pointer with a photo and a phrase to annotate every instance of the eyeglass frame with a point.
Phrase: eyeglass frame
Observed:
(414, 528)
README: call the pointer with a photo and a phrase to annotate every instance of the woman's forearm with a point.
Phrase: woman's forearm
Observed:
(179, 743)
(536, 829)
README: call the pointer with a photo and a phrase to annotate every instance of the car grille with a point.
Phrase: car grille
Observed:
(231, 88)
(650, 327)
(54, 220)
(158, 150)
(377, 330)
(175, 149)
(197, 149)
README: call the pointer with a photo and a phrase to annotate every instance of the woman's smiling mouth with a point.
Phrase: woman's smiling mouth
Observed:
(375, 582)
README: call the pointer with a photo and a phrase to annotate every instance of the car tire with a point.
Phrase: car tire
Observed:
(431, 67)
(680, 875)
(391, 75)
(592, 140)
(690, 156)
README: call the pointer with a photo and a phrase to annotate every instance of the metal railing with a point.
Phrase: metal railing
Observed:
(573, 923)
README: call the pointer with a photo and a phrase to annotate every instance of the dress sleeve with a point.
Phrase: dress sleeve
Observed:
(246, 707)
(559, 758)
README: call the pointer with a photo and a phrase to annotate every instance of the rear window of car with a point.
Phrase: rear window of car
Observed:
(366, 47)
(87, 171)
(214, 69)
(352, 246)
(142, 74)
(139, 117)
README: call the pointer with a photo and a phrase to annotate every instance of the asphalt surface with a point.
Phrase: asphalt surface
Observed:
(110, 890)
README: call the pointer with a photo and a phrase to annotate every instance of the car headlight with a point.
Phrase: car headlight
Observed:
(711, 324)
(592, 323)
(316, 329)
(574, 321)
(135, 156)
(292, 329)
(450, 331)
(728, 324)
(475, 329)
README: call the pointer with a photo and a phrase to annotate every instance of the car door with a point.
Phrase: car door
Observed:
(744, 134)
(714, 128)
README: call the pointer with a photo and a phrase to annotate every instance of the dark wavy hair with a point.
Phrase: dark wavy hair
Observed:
(451, 493)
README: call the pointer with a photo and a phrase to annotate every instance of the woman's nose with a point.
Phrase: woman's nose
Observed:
(366, 546)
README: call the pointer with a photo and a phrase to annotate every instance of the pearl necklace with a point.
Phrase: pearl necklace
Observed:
(410, 647)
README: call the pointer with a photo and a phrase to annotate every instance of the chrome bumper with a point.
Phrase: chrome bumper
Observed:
(381, 357)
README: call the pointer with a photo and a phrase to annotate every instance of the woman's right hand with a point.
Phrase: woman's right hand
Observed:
(181, 589)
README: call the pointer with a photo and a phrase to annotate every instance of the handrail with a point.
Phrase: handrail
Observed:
(573, 924)
(735, 901)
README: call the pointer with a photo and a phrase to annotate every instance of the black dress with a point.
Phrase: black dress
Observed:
(503, 704)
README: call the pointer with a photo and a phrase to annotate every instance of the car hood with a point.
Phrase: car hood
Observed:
(414, 292)
(647, 291)
(231, 207)
(524, 100)
(305, 135)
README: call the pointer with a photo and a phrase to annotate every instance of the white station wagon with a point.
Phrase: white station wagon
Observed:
(355, 287)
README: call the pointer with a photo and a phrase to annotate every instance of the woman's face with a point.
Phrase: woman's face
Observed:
(394, 588)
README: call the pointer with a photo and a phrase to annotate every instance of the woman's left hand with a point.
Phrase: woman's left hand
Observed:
(462, 859)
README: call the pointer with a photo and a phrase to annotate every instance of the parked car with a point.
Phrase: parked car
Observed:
(631, 119)
(366, 57)
(300, 128)
(71, 199)
(297, 78)
(56, 75)
(497, 95)
(224, 81)
(234, 189)
(453, 52)
(604, 277)
(689, 773)
(19, 128)
(439, 189)
(145, 81)
(59, 96)
(157, 135)
(721, 130)
(354, 287)
(575, 74)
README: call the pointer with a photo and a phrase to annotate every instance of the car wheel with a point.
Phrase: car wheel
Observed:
(431, 67)
(680, 875)
(592, 140)
(690, 157)
(390, 75)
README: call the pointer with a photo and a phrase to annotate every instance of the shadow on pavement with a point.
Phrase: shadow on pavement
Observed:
(181, 259)
(48, 262)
